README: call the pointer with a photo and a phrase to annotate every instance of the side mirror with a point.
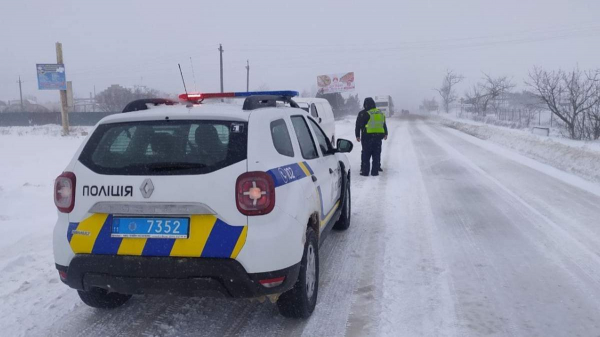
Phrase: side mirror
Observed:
(344, 146)
(320, 120)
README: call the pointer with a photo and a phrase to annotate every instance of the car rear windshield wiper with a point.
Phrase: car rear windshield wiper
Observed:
(174, 166)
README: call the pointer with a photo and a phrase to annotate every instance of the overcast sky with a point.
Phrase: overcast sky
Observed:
(401, 47)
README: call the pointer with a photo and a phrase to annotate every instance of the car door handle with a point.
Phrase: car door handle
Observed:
(330, 171)
(314, 178)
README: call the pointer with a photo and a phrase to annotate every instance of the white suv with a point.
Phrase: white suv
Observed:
(201, 199)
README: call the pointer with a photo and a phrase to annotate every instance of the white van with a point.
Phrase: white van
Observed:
(320, 110)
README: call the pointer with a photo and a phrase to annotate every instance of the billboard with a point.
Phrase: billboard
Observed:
(335, 83)
(51, 76)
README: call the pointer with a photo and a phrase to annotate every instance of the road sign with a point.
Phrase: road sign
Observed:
(51, 77)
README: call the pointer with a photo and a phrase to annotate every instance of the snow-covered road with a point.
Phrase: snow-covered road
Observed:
(455, 238)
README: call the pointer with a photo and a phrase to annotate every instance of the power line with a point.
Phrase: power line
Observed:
(312, 55)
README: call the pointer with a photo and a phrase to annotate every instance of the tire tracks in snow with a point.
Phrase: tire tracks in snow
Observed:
(522, 245)
(414, 297)
(366, 309)
(480, 306)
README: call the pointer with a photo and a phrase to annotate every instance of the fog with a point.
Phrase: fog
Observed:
(401, 48)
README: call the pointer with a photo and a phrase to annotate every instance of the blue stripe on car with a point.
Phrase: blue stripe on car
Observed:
(222, 240)
(287, 174)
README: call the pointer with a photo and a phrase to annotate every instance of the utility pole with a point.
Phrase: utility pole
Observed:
(21, 95)
(247, 75)
(64, 112)
(221, 58)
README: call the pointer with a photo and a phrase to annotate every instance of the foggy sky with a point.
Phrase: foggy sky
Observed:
(401, 48)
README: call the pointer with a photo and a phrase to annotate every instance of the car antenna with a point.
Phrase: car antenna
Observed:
(181, 72)
(183, 80)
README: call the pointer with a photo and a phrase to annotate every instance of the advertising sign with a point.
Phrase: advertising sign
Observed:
(335, 83)
(51, 76)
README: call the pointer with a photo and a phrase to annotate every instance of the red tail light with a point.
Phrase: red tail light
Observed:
(273, 282)
(64, 192)
(255, 193)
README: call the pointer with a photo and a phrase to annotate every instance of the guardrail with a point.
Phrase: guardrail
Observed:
(44, 118)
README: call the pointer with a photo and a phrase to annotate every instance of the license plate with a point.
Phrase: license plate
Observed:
(162, 228)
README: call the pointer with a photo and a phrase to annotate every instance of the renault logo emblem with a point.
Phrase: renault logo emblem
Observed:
(147, 188)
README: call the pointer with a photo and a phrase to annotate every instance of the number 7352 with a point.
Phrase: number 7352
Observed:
(164, 226)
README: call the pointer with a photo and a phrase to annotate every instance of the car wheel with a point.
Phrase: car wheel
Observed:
(300, 301)
(102, 299)
(343, 222)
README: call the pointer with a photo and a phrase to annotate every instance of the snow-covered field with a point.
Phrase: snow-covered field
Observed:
(458, 237)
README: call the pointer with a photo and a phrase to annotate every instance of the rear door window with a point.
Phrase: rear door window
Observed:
(281, 138)
(313, 111)
(165, 147)
(307, 143)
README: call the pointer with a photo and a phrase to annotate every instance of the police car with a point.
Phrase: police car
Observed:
(202, 199)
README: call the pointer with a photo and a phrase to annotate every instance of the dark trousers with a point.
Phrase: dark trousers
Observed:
(371, 148)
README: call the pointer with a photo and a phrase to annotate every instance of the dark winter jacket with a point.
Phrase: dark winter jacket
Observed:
(363, 118)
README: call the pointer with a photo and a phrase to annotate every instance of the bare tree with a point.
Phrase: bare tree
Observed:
(494, 89)
(475, 97)
(116, 97)
(447, 91)
(592, 131)
(568, 95)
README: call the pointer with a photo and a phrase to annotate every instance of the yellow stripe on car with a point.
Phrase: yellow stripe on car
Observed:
(200, 228)
(86, 233)
(330, 214)
(132, 246)
(305, 169)
(240, 243)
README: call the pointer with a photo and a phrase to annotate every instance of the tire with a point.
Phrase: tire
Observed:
(300, 301)
(343, 222)
(102, 299)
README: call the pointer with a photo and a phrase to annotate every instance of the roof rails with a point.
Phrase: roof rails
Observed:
(142, 104)
(265, 101)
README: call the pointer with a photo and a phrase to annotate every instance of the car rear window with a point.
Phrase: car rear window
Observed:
(165, 147)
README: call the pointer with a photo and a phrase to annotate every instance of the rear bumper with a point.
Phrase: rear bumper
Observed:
(168, 275)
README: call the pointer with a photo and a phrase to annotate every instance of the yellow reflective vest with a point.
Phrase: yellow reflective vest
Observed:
(376, 122)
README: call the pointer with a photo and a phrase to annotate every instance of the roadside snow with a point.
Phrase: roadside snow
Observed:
(577, 157)
(32, 158)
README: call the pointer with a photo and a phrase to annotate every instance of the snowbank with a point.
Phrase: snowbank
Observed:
(577, 157)
(43, 130)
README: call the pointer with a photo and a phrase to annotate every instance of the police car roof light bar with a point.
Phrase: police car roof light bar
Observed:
(194, 97)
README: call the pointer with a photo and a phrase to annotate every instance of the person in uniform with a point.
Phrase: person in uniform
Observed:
(370, 131)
